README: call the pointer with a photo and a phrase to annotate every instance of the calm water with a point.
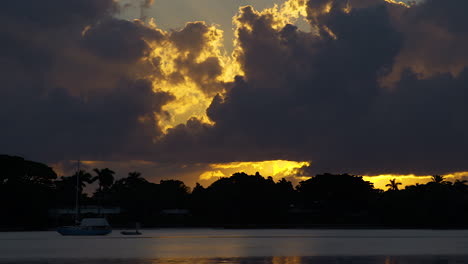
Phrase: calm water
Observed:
(209, 246)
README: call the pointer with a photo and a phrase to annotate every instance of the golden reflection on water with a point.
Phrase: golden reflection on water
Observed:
(390, 260)
(262, 260)
(253, 260)
(286, 260)
(257, 260)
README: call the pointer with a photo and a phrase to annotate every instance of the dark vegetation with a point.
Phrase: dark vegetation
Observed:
(29, 190)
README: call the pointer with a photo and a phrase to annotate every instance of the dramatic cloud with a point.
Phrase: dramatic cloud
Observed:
(371, 87)
(78, 83)
(319, 96)
(435, 37)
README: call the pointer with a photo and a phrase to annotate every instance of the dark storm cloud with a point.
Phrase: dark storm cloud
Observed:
(191, 41)
(203, 73)
(191, 37)
(73, 81)
(435, 39)
(375, 87)
(76, 82)
(117, 39)
(294, 87)
(60, 126)
(56, 13)
(319, 97)
(448, 14)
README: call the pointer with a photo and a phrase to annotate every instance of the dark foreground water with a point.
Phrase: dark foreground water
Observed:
(261, 260)
(210, 246)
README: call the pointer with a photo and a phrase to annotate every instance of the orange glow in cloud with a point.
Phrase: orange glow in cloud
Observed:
(397, 3)
(192, 73)
(381, 180)
(280, 15)
(191, 98)
(176, 67)
(276, 168)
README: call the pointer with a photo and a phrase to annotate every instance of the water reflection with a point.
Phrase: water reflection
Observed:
(259, 260)
(286, 260)
(236, 246)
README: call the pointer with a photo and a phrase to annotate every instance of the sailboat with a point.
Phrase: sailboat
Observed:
(87, 226)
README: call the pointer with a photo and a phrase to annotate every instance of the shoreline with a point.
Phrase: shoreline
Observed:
(263, 227)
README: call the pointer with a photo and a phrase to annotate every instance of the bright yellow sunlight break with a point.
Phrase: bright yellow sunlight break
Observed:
(380, 181)
(276, 168)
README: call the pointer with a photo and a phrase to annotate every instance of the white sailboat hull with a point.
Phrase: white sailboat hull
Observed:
(87, 227)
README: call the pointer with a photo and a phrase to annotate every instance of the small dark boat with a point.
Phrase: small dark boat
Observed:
(132, 233)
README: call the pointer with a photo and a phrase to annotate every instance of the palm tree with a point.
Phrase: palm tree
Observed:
(460, 185)
(134, 175)
(84, 178)
(438, 179)
(105, 178)
(393, 185)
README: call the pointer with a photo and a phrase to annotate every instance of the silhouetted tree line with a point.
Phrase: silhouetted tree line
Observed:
(28, 190)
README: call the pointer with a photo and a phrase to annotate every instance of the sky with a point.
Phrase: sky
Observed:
(170, 14)
(210, 11)
(197, 90)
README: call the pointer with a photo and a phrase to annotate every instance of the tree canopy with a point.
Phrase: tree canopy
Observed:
(28, 190)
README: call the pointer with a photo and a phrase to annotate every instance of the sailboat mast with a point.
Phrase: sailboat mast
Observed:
(77, 195)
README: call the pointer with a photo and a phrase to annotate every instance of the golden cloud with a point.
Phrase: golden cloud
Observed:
(197, 67)
(193, 67)
(397, 3)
